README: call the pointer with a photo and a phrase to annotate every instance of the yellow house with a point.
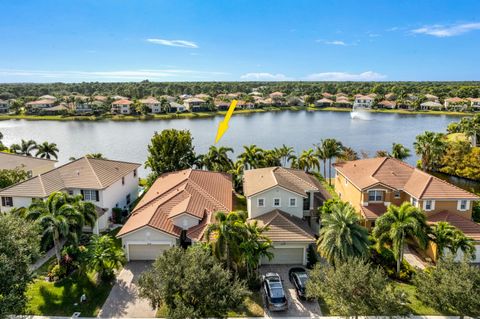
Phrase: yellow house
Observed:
(371, 185)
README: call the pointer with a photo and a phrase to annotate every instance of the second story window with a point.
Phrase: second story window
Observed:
(428, 205)
(463, 204)
(276, 202)
(396, 194)
(123, 180)
(375, 196)
(414, 201)
(90, 195)
(292, 202)
(135, 173)
(261, 202)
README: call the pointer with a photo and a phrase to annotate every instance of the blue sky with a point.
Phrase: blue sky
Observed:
(207, 40)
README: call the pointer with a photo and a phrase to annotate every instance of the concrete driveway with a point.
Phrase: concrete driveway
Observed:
(123, 300)
(296, 307)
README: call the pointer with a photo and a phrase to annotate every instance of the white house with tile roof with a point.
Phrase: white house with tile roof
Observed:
(284, 200)
(107, 184)
(32, 165)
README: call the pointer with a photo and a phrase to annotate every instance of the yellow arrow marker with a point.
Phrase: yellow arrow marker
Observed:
(223, 126)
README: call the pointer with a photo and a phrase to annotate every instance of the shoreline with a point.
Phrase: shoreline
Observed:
(198, 115)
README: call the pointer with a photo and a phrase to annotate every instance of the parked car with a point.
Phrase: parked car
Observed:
(298, 277)
(274, 292)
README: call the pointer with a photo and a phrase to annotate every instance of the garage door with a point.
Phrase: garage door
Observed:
(285, 256)
(476, 257)
(145, 252)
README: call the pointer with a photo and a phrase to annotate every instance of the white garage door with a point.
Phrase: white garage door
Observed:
(285, 256)
(476, 258)
(145, 252)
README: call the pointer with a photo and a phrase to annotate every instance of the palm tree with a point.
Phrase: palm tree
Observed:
(397, 225)
(463, 243)
(321, 154)
(443, 234)
(400, 152)
(95, 155)
(255, 246)
(430, 147)
(382, 153)
(57, 216)
(341, 235)
(217, 159)
(237, 173)
(225, 237)
(308, 160)
(24, 148)
(47, 150)
(285, 153)
(269, 158)
(251, 156)
(327, 150)
(349, 154)
(104, 256)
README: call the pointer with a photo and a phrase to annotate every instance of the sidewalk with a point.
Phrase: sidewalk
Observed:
(413, 258)
(49, 254)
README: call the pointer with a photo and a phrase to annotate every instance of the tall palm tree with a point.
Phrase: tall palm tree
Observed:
(95, 155)
(443, 234)
(322, 156)
(57, 216)
(308, 160)
(341, 235)
(463, 243)
(251, 156)
(400, 152)
(269, 158)
(382, 153)
(26, 147)
(255, 246)
(430, 147)
(349, 154)
(237, 173)
(397, 225)
(217, 159)
(47, 150)
(285, 153)
(327, 150)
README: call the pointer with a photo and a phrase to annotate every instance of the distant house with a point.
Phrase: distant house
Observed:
(371, 185)
(107, 184)
(121, 106)
(84, 107)
(40, 104)
(221, 105)
(243, 105)
(430, 105)
(202, 96)
(4, 106)
(153, 104)
(386, 104)
(32, 165)
(341, 94)
(48, 97)
(194, 104)
(342, 101)
(363, 101)
(323, 102)
(475, 103)
(61, 108)
(176, 107)
(390, 96)
(255, 93)
(327, 95)
(295, 101)
(456, 103)
(277, 99)
(185, 96)
(432, 98)
(285, 200)
(100, 98)
(175, 211)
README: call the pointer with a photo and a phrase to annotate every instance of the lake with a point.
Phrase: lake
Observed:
(301, 129)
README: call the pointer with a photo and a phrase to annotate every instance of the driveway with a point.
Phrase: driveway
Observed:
(296, 307)
(123, 300)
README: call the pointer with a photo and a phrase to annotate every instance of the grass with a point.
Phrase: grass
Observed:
(59, 298)
(416, 306)
(251, 307)
(43, 270)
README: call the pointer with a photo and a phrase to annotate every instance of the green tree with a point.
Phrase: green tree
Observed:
(308, 160)
(430, 147)
(450, 287)
(355, 288)
(327, 150)
(19, 245)
(59, 216)
(341, 236)
(95, 155)
(285, 153)
(399, 224)
(254, 246)
(251, 156)
(104, 256)
(47, 150)
(26, 147)
(8, 177)
(169, 151)
(217, 160)
(349, 154)
(191, 284)
(400, 152)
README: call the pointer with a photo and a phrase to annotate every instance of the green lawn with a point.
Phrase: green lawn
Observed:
(59, 298)
(251, 307)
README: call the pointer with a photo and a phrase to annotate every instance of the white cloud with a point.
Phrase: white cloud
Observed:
(345, 76)
(120, 75)
(174, 43)
(334, 42)
(443, 31)
(264, 76)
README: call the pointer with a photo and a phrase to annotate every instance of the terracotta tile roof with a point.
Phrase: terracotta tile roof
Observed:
(454, 100)
(431, 104)
(192, 192)
(472, 99)
(325, 100)
(284, 227)
(387, 103)
(149, 100)
(196, 233)
(276, 94)
(194, 99)
(467, 226)
(373, 211)
(41, 102)
(399, 175)
(122, 102)
(363, 97)
(83, 173)
(297, 181)
(327, 95)
(12, 161)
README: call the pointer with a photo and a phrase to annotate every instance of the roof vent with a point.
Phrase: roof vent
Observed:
(77, 172)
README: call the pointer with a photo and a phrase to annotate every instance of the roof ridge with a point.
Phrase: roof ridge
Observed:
(284, 216)
(28, 157)
(433, 177)
(379, 166)
(207, 193)
(93, 170)
(159, 196)
(298, 178)
(41, 184)
(426, 186)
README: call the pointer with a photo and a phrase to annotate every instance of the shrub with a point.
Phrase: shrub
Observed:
(312, 257)
(57, 272)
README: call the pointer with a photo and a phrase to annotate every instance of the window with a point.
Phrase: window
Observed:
(375, 196)
(414, 201)
(90, 194)
(135, 173)
(396, 194)
(276, 202)
(261, 202)
(428, 205)
(70, 192)
(463, 204)
(123, 180)
(7, 201)
(292, 202)
(128, 199)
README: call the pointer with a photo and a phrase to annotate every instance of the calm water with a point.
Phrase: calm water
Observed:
(128, 140)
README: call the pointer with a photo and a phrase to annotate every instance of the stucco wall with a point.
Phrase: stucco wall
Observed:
(185, 221)
(348, 192)
(277, 192)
